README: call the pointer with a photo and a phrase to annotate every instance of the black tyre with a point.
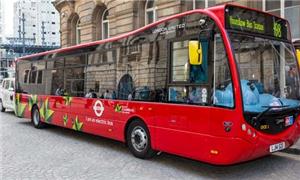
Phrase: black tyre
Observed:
(2, 108)
(36, 118)
(139, 140)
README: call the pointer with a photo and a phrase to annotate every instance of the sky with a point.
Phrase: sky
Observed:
(8, 17)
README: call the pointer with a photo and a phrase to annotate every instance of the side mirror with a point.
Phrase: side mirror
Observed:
(195, 52)
(298, 55)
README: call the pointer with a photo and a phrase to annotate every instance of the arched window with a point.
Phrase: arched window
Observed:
(77, 32)
(74, 34)
(150, 12)
(105, 24)
(199, 4)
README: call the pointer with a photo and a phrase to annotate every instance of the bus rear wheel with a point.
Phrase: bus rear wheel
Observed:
(36, 118)
(139, 141)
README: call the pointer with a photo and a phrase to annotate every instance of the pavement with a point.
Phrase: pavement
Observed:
(57, 153)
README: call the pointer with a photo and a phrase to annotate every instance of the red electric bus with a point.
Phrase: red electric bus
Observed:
(219, 85)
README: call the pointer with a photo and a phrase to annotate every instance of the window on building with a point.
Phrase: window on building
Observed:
(53, 33)
(52, 12)
(150, 12)
(53, 22)
(77, 32)
(292, 14)
(195, 4)
(73, 24)
(273, 7)
(198, 4)
(105, 25)
(211, 3)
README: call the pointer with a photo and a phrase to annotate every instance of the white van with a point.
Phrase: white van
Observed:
(7, 94)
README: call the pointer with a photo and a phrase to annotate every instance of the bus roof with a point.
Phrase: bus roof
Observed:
(217, 10)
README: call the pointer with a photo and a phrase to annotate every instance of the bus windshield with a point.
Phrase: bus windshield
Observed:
(268, 73)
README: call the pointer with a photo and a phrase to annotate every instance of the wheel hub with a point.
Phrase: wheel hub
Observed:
(139, 138)
(36, 117)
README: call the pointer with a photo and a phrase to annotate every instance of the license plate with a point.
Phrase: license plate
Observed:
(277, 147)
(289, 120)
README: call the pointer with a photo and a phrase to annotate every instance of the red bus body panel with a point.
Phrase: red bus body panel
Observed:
(195, 132)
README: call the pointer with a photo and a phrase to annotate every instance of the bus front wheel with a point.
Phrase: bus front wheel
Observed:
(36, 118)
(138, 140)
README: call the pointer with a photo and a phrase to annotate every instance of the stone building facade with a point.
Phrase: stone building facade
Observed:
(82, 20)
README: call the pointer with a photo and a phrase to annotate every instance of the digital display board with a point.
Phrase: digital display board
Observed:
(245, 20)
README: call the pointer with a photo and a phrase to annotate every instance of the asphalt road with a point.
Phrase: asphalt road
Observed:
(57, 153)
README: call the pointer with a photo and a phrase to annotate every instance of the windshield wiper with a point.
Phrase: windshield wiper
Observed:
(258, 117)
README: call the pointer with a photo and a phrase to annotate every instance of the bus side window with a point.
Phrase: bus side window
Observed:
(26, 74)
(189, 79)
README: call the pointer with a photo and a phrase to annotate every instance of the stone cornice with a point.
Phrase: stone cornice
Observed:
(59, 4)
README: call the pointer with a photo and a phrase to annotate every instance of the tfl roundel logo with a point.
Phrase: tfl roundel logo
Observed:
(98, 108)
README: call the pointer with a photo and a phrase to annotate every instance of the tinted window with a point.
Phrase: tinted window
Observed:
(40, 77)
(32, 77)
(75, 61)
(26, 74)
(57, 80)
(74, 79)
(56, 64)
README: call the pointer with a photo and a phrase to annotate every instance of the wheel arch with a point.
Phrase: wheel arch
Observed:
(129, 121)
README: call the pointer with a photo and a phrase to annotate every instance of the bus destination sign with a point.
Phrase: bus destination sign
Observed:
(245, 20)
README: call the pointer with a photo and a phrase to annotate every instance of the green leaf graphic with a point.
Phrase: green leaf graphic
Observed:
(45, 112)
(65, 119)
(48, 115)
(68, 100)
(31, 101)
(20, 107)
(42, 111)
(77, 125)
(118, 108)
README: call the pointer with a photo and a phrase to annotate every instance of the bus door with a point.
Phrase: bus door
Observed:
(183, 122)
(223, 116)
(59, 101)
